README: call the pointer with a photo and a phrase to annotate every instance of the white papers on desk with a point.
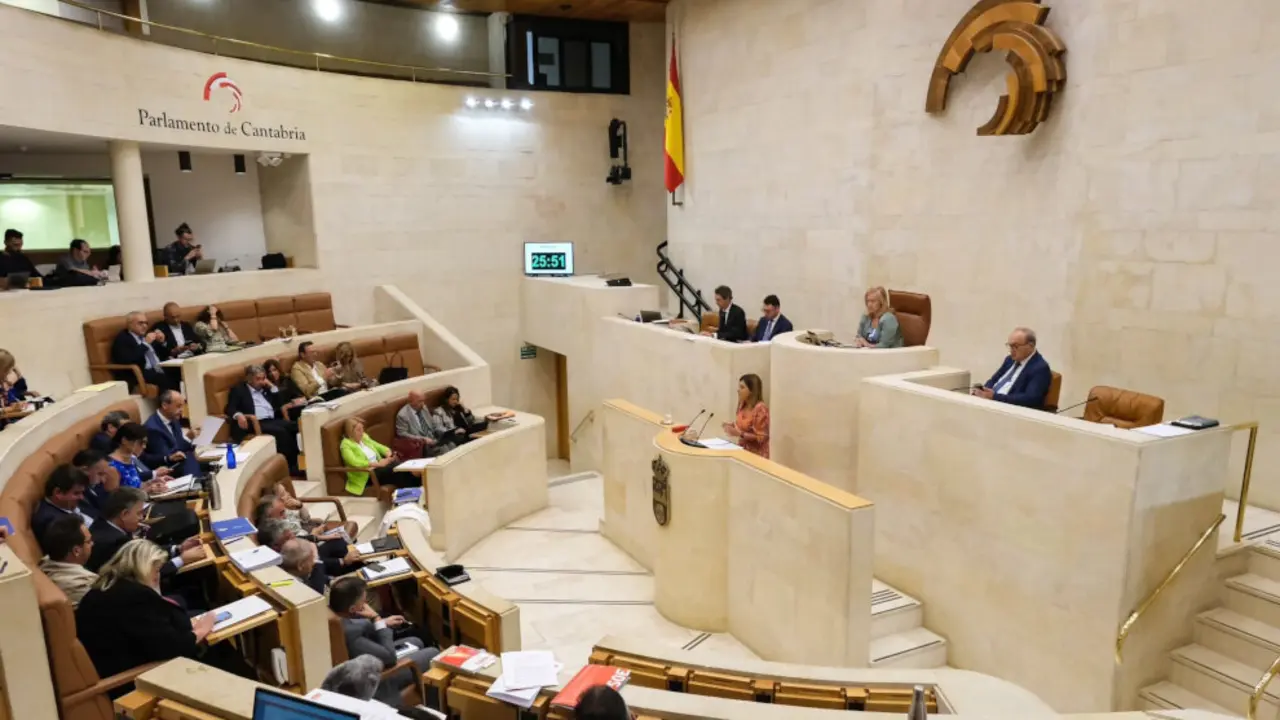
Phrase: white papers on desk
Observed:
(171, 363)
(321, 406)
(209, 428)
(177, 486)
(364, 709)
(719, 444)
(256, 558)
(1164, 431)
(523, 669)
(390, 568)
(415, 464)
(522, 698)
(240, 611)
(365, 548)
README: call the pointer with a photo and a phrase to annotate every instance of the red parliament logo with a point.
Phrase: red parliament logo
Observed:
(218, 81)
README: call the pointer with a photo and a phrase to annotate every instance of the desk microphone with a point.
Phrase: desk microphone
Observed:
(1073, 407)
(691, 438)
(704, 424)
(682, 428)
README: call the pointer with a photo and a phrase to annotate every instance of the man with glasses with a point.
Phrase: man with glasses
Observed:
(1024, 377)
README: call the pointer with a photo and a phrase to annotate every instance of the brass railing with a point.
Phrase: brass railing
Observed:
(590, 416)
(314, 58)
(1252, 427)
(1150, 599)
(1261, 688)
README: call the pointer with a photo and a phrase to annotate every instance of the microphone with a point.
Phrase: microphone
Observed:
(682, 428)
(1073, 407)
(690, 438)
(704, 424)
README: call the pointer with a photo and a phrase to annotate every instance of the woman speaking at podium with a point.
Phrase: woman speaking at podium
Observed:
(751, 424)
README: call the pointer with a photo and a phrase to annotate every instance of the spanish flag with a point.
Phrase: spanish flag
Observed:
(675, 126)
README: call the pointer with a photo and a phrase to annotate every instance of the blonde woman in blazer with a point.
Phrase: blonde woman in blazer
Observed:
(364, 455)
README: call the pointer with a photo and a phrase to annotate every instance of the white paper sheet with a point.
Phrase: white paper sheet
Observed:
(719, 444)
(241, 610)
(365, 709)
(390, 568)
(209, 427)
(365, 548)
(256, 558)
(415, 464)
(522, 698)
(528, 669)
(1164, 431)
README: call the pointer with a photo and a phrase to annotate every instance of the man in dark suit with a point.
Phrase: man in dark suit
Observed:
(120, 522)
(773, 322)
(179, 337)
(733, 321)
(251, 398)
(104, 441)
(1024, 377)
(136, 346)
(167, 442)
(12, 260)
(64, 494)
(366, 633)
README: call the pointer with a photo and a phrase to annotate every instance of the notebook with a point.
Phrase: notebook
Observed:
(587, 678)
(256, 558)
(390, 568)
(407, 495)
(240, 610)
(228, 530)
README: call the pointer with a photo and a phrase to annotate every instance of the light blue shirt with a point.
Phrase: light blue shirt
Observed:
(261, 405)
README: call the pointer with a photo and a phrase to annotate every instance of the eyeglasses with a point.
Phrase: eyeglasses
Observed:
(1015, 346)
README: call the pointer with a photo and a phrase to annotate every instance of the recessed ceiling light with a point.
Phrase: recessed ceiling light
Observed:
(507, 104)
(489, 103)
(446, 27)
(472, 102)
(327, 10)
(526, 104)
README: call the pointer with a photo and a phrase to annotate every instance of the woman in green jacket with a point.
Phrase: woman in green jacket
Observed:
(363, 455)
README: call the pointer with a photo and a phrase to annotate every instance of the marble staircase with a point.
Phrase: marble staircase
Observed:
(898, 636)
(1234, 645)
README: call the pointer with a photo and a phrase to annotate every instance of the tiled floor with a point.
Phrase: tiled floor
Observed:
(572, 585)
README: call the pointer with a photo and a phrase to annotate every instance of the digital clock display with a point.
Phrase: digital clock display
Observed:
(548, 258)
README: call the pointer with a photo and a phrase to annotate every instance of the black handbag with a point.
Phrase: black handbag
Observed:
(393, 372)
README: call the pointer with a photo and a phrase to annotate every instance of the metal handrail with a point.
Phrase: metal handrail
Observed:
(697, 305)
(317, 57)
(1260, 689)
(589, 417)
(1150, 599)
(1252, 427)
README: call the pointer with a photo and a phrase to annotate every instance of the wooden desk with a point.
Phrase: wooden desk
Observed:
(209, 559)
(243, 627)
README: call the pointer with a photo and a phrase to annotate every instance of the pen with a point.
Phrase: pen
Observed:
(277, 583)
(4, 566)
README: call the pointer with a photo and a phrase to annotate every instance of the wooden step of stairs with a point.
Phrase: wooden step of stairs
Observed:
(1167, 696)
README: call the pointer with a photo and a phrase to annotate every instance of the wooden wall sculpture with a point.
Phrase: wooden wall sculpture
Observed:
(1034, 53)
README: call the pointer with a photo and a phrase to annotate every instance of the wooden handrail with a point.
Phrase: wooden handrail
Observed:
(1150, 599)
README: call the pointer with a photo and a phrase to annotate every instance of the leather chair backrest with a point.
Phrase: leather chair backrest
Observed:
(1055, 390)
(1123, 408)
(242, 318)
(262, 482)
(275, 313)
(98, 336)
(379, 423)
(337, 640)
(915, 316)
(710, 322)
(314, 312)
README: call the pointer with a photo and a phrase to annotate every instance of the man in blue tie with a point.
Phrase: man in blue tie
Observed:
(141, 349)
(167, 443)
(1024, 377)
(773, 322)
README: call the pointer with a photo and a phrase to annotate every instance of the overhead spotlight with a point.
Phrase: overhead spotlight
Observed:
(239, 164)
(446, 27)
(507, 104)
(184, 161)
(489, 103)
(327, 10)
(526, 104)
(472, 102)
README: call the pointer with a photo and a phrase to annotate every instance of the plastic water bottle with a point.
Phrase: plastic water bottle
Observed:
(231, 456)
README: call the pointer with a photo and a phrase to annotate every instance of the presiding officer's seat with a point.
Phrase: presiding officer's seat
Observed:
(1055, 392)
(915, 316)
(711, 323)
(1123, 408)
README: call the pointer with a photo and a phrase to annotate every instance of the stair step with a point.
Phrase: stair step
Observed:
(1239, 637)
(1219, 679)
(1264, 559)
(892, 611)
(1256, 585)
(1167, 696)
(917, 648)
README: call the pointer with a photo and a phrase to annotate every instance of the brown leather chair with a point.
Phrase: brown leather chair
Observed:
(254, 320)
(263, 481)
(1123, 408)
(1055, 390)
(711, 323)
(915, 316)
(411, 695)
(380, 424)
(82, 693)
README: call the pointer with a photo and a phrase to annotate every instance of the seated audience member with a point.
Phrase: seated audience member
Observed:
(105, 440)
(12, 383)
(74, 270)
(212, 331)
(310, 375)
(95, 466)
(336, 556)
(772, 321)
(601, 703)
(251, 398)
(179, 336)
(1024, 376)
(142, 349)
(124, 622)
(356, 678)
(365, 455)
(64, 494)
(121, 520)
(67, 545)
(454, 422)
(14, 260)
(733, 321)
(282, 387)
(878, 328)
(125, 459)
(167, 442)
(416, 432)
(368, 634)
(349, 370)
(183, 253)
(301, 559)
(751, 424)
(281, 505)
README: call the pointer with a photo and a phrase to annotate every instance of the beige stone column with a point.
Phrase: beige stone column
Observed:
(131, 211)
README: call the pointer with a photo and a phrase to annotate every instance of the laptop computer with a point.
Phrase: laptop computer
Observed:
(648, 316)
(205, 266)
(272, 705)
